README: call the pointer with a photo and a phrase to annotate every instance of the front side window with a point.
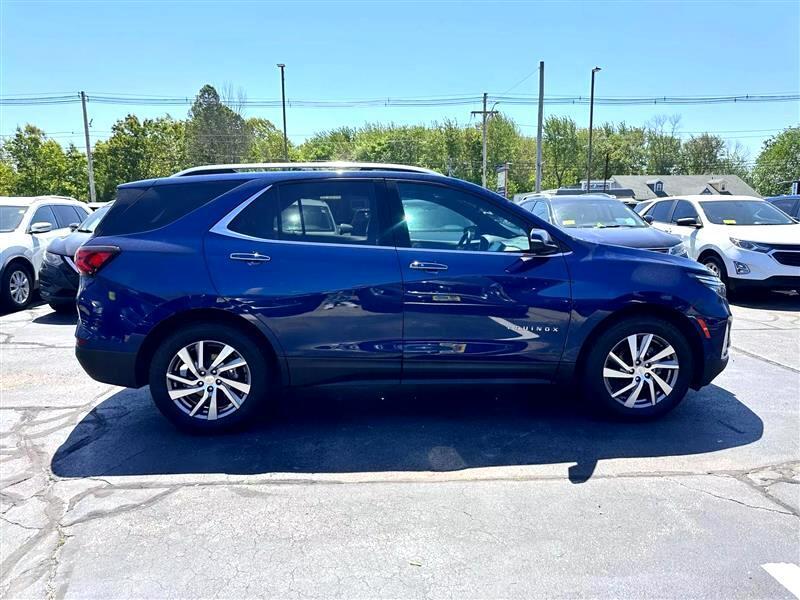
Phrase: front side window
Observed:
(744, 212)
(442, 218)
(684, 210)
(329, 211)
(66, 215)
(594, 213)
(660, 211)
(11, 217)
(540, 210)
(44, 214)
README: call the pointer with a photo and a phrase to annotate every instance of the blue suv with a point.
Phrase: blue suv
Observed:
(220, 286)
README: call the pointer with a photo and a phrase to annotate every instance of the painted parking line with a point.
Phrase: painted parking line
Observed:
(787, 574)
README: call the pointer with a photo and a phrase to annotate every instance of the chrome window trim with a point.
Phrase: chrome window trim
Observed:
(221, 228)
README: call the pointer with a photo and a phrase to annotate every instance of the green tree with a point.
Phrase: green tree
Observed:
(266, 142)
(214, 132)
(39, 163)
(663, 146)
(778, 164)
(560, 152)
(701, 155)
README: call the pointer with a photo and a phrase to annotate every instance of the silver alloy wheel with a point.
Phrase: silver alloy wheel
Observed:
(19, 287)
(641, 370)
(208, 380)
(713, 267)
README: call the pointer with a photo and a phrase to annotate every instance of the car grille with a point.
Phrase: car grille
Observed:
(788, 258)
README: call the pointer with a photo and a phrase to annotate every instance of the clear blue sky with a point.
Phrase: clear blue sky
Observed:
(343, 50)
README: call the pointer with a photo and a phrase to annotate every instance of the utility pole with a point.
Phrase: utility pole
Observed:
(485, 114)
(282, 66)
(605, 175)
(92, 193)
(539, 126)
(591, 117)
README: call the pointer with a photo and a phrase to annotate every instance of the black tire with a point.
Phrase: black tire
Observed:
(716, 265)
(15, 270)
(595, 390)
(63, 309)
(261, 379)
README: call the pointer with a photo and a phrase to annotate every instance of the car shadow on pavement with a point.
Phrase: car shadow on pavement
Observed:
(436, 429)
(779, 301)
(57, 318)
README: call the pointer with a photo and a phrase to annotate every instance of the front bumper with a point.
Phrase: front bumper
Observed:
(58, 284)
(762, 269)
(777, 282)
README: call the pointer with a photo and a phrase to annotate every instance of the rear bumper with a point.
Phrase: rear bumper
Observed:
(116, 368)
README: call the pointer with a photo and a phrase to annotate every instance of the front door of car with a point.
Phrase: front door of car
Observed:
(658, 215)
(310, 260)
(685, 210)
(477, 303)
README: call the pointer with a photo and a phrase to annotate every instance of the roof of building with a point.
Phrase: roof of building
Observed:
(681, 185)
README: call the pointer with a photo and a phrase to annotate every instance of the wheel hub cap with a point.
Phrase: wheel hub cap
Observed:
(641, 370)
(208, 380)
(19, 287)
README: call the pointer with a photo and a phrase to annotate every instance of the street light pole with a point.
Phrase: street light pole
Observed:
(591, 119)
(282, 66)
(539, 125)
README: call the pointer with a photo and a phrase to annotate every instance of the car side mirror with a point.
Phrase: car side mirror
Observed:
(41, 227)
(74, 226)
(649, 219)
(688, 222)
(541, 242)
(345, 229)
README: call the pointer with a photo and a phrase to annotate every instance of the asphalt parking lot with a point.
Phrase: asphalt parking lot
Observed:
(383, 494)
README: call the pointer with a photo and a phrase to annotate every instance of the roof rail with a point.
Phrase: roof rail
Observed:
(300, 166)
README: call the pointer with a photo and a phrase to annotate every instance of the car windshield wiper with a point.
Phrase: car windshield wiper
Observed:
(602, 226)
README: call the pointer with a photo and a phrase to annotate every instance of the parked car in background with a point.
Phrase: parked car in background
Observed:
(603, 220)
(746, 241)
(59, 277)
(207, 288)
(27, 225)
(790, 204)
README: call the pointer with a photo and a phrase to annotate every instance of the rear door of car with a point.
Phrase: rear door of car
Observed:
(313, 261)
(477, 304)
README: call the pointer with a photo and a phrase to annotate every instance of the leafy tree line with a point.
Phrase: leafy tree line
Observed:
(213, 132)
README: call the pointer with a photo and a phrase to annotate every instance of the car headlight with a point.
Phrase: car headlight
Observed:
(52, 259)
(710, 281)
(679, 250)
(746, 245)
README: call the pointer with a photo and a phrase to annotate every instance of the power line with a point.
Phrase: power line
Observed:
(518, 99)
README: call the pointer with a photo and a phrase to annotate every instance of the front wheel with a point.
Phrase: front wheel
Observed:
(17, 286)
(638, 369)
(209, 379)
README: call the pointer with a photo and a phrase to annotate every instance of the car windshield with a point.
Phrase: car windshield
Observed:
(90, 223)
(11, 217)
(744, 212)
(594, 213)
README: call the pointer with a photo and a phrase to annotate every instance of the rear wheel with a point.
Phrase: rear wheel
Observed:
(638, 369)
(17, 286)
(209, 379)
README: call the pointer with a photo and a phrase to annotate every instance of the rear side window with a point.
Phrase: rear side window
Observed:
(786, 205)
(541, 211)
(332, 212)
(660, 211)
(144, 209)
(66, 215)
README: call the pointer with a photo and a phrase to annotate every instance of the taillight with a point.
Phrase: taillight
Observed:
(90, 259)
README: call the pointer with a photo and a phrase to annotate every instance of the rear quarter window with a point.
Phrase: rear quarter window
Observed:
(144, 209)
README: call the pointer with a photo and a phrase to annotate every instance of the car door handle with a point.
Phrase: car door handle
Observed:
(250, 257)
(427, 266)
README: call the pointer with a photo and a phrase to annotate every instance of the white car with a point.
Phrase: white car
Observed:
(745, 241)
(27, 225)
